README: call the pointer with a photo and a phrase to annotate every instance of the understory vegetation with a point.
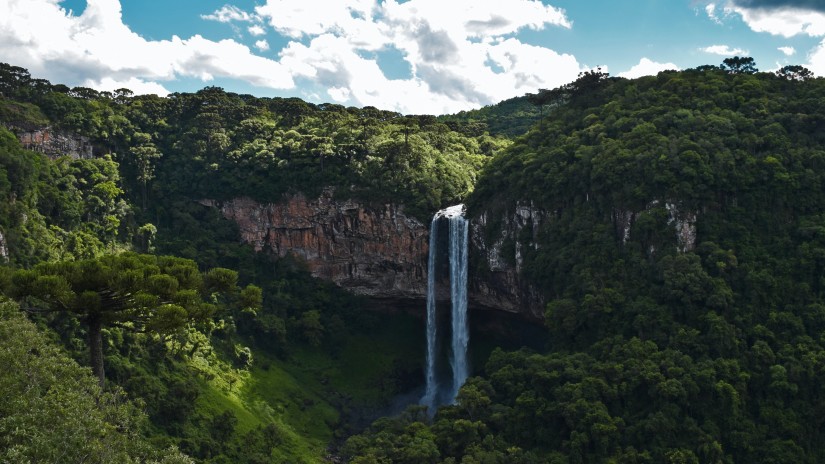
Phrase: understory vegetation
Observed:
(680, 250)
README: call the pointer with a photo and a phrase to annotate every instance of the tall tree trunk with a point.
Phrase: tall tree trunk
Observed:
(96, 348)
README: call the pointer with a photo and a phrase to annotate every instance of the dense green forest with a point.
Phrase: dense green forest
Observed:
(657, 351)
(705, 346)
(231, 355)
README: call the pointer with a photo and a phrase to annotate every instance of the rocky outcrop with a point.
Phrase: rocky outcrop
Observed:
(54, 143)
(381, 252)
(683, 221)
(497, 251)
(685, 224)
(4, 249)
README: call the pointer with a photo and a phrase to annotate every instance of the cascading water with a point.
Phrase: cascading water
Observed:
(458, 295)
(429, 399)
(457, 253)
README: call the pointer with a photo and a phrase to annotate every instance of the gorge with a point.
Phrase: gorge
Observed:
(660, 243)
(380, 251)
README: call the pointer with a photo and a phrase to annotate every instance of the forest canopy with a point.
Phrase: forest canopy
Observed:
(680, 251)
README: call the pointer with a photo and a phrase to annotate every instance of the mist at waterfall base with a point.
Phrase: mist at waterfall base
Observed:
(438, 389)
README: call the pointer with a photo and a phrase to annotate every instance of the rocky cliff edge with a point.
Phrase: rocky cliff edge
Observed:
(380, 251)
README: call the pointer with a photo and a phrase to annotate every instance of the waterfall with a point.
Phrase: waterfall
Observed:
(429, 399)
(457, 254)
(458, 295)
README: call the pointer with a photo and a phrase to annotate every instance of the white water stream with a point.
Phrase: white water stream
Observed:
(457, 253)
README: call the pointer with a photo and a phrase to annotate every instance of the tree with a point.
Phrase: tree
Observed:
(144, 155)
(795, 73)
(739, 65)
(52, 410)
(160, 294)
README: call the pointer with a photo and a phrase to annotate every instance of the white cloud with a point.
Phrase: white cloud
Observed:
(339, 94)
(138, 86)
(299, 18)
(784, 21)
(451, 69)
(647, 67)
(710, 9)
(724, 50)
(461, 53)
(816, 60)
(256, 30)
(788, 51)
(97, 48)
(227, 14)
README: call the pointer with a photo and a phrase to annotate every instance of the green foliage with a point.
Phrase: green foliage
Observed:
(660, 348)
(52, 410)
(744, 64)
(161, 294)
(509, 118)
(58, 209)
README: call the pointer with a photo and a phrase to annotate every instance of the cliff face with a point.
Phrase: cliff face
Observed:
(381, 252)
(496, 248)
(54, 143)
(376, 252)
(4, 249)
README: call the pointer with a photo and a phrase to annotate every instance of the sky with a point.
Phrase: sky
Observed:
(410, 56)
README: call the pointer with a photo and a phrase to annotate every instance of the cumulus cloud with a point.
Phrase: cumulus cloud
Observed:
(227, 14)
(788, 51)
(786, 18)
(647, 67)
(461, 53)
(138, 86)
(724, 50)
(786, 22)
(97, 49)
(256, 30)
(816, 60)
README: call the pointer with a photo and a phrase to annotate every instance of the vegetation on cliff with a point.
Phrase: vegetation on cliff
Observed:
(707, 349)
(52, 410)
(267, 373)
(681, 252)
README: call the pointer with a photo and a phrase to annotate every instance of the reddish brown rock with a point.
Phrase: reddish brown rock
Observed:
(378, 252)
(381, 252)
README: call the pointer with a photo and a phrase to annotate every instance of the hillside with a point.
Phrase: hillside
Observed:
(682, 258)
(509, 118)
(280, 379)
(672, 228)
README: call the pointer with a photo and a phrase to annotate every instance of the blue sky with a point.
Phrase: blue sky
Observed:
(412, 56)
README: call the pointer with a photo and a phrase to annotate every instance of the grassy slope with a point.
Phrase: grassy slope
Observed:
(302, 395)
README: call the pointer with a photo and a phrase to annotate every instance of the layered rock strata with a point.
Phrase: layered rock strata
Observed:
(55, 143)
(371, 251)
(379, 251)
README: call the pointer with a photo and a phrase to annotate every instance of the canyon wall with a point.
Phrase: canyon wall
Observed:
(55, 143)
(497, 257)
(371, 251)
(379, 251)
